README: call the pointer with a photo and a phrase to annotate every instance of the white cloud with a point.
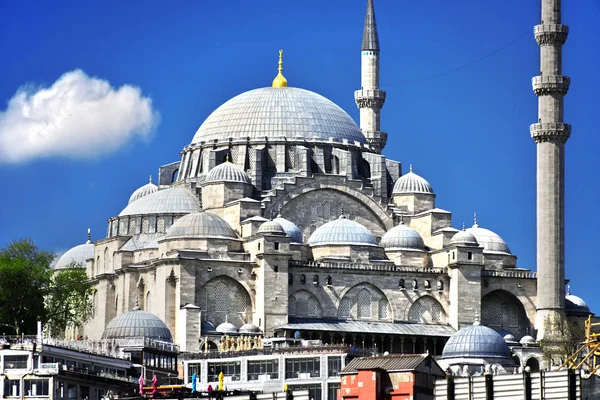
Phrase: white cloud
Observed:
(77, 117)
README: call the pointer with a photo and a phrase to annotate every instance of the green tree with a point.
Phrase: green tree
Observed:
(25, 275)
(68, 300)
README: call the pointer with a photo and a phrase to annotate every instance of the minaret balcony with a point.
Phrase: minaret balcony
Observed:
(550, 34)
(551, 84)
(557, 132)
(369, 98)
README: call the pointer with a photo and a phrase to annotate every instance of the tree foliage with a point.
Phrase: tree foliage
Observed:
(31, 291)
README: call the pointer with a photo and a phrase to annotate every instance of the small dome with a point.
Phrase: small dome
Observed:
(200, 225)
(402, 237)
(510, 338)
(290, 229)
(412, 183)
(576, 305)
(226, 327)
(207, 326)
(249, 328)
(177, 200)
(271, 228)
(342, 231)
(76, 256)
(137, 323)
(527, 340)
(464, 238)
(490, 241)
(145, 190)
(476, 341)
(227, 172)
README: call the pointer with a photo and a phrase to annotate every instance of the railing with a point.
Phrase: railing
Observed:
(281, 350)
(509, 274)
(149, 343)
(107, 348)
(388, 267)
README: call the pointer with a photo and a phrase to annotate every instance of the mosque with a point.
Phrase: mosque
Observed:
(283, 217)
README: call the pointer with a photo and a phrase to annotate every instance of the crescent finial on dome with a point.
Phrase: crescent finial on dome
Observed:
(279, 80)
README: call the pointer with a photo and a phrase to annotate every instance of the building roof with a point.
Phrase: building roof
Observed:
(200, 225)
(370, 39)
(76, 256)
(464, 238)
(398, 362)
(271, 228)
(137, 323)
(342, 231)
(145, 190)
(491, 241)
(576, 305)
(227, 172)
(290, 229)
(411, 183)
(476, 341)
(392, 328)
(176, 200)
(402, 237)
(282, 112)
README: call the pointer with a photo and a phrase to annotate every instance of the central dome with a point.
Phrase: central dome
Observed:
(282, 112)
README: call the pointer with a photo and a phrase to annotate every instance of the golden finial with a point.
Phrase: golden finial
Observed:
(279, 80)
(227, 157)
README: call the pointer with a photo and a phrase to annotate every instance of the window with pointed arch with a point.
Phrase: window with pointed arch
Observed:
(364, 307)
(345, 308)
(383, 309)
(292, 306)
(221, 297)
(427, 310)
(202, 299)
(148, 309)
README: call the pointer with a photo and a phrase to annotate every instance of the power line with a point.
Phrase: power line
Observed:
(464, 65)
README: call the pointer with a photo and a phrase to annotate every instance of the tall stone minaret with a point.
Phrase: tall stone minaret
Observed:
(550, 134)
(369, 98)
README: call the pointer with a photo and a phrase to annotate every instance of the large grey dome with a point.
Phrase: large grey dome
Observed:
(76, 256)
(342, 231)
(412, 183)
(464, 238)
(137, 323)
(290, 229)
(227, 172)
(279, 113)
(200, 225)
(490, 241)
(169, 201)
(402, 237)
(476, 341)
(271, 228)
(145, 190)
(576, 305)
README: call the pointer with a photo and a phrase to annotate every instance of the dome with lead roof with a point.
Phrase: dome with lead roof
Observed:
(464, 238)
(200, 225)
(76, 256)
(145, 190)
(490, 241)
(411, 183)
(575, 304)
(272, 228)
(402, 237)
(476, 341)
(176, 200)
(137, 323)
(276, 113)
(227, 172)
(226, 327)
(249, 328)
(342, 231)
(290, 229)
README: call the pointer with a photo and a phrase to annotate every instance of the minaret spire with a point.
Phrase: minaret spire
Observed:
(550, 134)
(370, 98)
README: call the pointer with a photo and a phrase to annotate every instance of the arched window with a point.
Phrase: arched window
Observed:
(303, 279)
(175, 175)
(427, 284)
(313, 307)
(364, 304)
(501, 310)
(132, 227)
(202, 299)
(401, 284)
(316, 280)
(328, 280)
(94, 303)
(427, 310)
(239, 303)
(345, 308)
(106, 260)
(148, 309)
(221, 297)
(290, 279)
(98, 265)
(383, 309)
(292, 306)
(440, 285)
(117, 304)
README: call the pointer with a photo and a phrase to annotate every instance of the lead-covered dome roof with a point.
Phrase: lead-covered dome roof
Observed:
(576, 305)
(282, 112)
(137, 323)
(76, 256)
(227, 172)
(411, 183)
(464, 238)
(200, 225)
(490, 241)
(402, 237)
(290, 229)
(476, 341)
(272, 228)
(177, 200)
(145, 190)
(342, 231)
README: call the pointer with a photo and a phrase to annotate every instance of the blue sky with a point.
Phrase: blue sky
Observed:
(466, 131)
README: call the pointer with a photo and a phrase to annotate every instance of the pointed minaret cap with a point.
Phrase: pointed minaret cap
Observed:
(370, 37)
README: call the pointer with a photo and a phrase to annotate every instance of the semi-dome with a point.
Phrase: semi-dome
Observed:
(290, 229)
(226, 327)
(249, 328)
(411, 183)
(227, 172)
(525, 340)
(145, 190)
(137, 323)
(490, 241)
(576, 305)
(464, 238)
(476, 341)
(271, 227)
(76, 256)
(402, 237)
(278, 112)
(177, 200)
(200, 225)
(342, 231)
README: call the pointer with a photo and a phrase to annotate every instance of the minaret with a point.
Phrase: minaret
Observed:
(369, 98)
(550, 134)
